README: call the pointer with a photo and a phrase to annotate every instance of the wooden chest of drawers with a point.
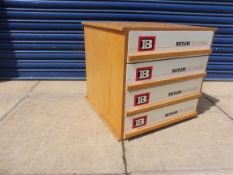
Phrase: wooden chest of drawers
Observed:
(144, 76)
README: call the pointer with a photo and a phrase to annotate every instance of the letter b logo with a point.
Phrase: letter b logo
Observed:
(146, 43)
(138, 122)
(141, 99)
(144, 73)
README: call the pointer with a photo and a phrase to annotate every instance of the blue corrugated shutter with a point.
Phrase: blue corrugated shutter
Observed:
(43, 39)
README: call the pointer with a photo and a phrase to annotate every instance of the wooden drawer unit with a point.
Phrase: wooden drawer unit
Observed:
(144, 76)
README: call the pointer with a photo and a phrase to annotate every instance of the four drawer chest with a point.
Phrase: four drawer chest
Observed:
(142, 76)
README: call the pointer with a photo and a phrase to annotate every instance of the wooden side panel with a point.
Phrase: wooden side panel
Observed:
(105, 64)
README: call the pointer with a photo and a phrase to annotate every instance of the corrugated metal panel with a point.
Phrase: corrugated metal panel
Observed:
(43, 39)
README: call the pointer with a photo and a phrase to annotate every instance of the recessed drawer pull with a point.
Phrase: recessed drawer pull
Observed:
(142, 85)
(165, 55)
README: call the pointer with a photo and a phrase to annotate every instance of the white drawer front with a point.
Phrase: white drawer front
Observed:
(163, 41)
(155, 116)
(162, 93)
(156, 70)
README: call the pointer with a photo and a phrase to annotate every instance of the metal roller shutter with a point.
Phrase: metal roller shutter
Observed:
(43, 39)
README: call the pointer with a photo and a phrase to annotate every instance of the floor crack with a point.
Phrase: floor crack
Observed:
(21, 100)
(32, 88)
(124, 158)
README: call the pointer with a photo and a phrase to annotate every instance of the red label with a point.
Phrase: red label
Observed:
(146, 43)
(141, 99)
(144, 73)
(140, 121)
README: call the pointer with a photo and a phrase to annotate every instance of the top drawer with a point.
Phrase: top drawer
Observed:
(140, 42)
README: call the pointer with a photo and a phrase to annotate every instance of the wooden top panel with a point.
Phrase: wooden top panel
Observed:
(122, 26)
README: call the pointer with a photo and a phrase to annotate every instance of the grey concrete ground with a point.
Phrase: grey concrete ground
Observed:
(47, 127)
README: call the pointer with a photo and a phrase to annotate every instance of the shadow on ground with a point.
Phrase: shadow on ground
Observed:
(206, 102)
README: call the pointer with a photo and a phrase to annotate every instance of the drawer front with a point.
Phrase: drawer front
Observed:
(162, 93)
(156, 70)
(166, 41)
(150, 118)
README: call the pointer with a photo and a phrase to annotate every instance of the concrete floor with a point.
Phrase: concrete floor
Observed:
(47, 127)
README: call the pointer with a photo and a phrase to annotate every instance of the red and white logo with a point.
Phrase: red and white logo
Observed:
(140, 121)
(146, 43)
(144, 73)
(141, 99)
